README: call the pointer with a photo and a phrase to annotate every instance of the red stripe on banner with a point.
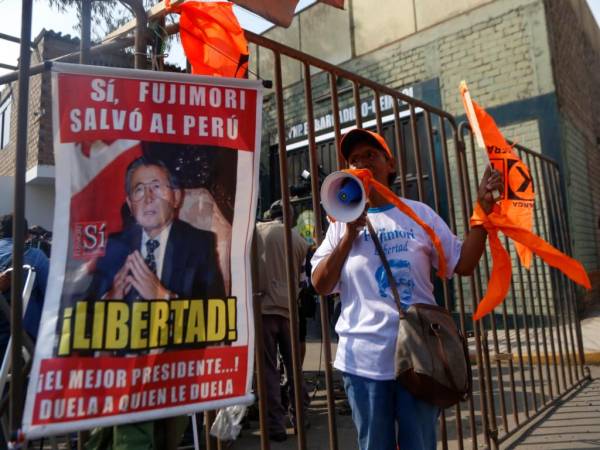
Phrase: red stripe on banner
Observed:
(104, 108)
(80, 388)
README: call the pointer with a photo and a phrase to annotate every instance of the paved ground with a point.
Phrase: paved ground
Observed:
(573, 423)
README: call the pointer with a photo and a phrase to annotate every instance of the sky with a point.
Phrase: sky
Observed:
(46, 17)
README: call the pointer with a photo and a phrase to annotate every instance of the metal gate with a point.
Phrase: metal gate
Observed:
(525, 357)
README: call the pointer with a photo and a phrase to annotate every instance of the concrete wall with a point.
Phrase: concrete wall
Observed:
(39, 201)
(500, 48)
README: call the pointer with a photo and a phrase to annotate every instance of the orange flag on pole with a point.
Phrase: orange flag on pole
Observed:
(513, 215)
(212, 39)
(518, 196)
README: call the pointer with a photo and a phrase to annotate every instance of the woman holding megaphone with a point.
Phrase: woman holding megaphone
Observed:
(412, 237)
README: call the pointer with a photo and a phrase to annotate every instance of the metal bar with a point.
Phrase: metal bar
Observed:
(293, 306)
(16, 384)
(416, 151)
(356, 94)
(432, 159)
(538, 228)
(86, 25)
(8, 37)
(209, 441)
(539, 297)
(565, 282)
(452, 224)
(527, 338)
(259, 352)
(314, 185)
(519, 344)
(460, 147)
(400, 169)
(554, 277)
(486, 397)
(141, 27)
(464, 195)
(377, 99)
(492, 319)
(444, 429)
(576, 342)
(8, 66)
(335, 109)
(560, 282)
(511, 370)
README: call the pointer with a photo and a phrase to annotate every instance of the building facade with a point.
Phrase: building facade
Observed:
(532, 64)
(39, 188)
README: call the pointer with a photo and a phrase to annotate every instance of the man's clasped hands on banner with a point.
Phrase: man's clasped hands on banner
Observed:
(157, 257)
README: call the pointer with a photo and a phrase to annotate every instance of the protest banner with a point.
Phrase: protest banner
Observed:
(148, 310)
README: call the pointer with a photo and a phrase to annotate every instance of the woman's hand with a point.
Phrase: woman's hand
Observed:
(327, 273)
(353, 228)
(491, 181)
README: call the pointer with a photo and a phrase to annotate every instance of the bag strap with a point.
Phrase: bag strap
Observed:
(393, 286)
(386, 265)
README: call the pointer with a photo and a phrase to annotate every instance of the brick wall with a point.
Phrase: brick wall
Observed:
(576, 65)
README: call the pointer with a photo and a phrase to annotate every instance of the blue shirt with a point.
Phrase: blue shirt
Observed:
(39, 261)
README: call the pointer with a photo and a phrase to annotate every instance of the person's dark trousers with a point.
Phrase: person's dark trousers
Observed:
(276, 334)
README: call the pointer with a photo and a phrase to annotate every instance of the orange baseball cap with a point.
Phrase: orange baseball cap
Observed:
(352, 137)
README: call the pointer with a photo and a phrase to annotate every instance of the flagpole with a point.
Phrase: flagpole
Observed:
(472, 117)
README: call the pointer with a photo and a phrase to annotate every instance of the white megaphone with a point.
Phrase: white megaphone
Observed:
(343, 196)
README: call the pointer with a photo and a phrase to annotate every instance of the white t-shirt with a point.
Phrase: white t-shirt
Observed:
(368, 323)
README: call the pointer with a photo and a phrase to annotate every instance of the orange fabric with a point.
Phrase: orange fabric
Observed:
(366, 177)
(499, 281)
(212, 39)
(518, 196)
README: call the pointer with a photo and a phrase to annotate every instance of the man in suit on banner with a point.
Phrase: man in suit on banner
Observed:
(158, 256)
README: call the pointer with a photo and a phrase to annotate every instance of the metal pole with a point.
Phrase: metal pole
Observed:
(16, 385)
(86, 26)
(141, 20)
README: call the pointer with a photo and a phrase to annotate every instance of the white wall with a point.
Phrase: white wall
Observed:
(39, 201)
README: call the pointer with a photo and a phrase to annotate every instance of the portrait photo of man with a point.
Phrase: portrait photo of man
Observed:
(156, 255)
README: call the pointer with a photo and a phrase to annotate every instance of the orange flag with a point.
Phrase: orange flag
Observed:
(499, 281)
(513, 215)
(212, 38)
(518, 196)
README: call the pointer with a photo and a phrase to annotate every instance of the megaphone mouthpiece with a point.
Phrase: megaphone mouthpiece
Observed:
(349, 191)
(343, 196)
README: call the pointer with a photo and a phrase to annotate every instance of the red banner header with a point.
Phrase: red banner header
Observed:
(109, 108)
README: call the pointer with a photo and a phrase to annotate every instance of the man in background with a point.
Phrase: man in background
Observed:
(40, 264)
(272, 284)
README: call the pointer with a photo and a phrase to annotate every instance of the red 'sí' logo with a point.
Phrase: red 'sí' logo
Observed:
(89, 240)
